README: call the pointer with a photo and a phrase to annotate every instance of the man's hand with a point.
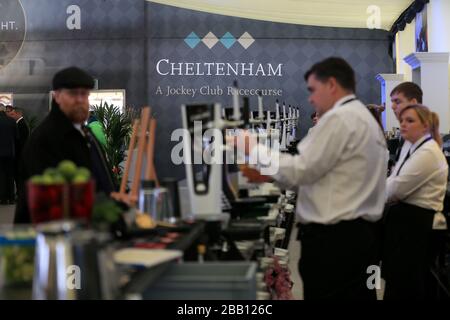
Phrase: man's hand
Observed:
(253, 175)
(245, 141)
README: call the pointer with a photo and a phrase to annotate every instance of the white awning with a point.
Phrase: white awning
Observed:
(329, 13)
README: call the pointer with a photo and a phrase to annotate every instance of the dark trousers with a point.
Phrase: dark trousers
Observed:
(16, 177)
(335, 258)
(406, 254)
(7, 192)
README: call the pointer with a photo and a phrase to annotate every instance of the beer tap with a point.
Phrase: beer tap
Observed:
(284, 125)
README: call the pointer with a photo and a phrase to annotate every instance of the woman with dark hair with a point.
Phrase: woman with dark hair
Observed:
(415, 192)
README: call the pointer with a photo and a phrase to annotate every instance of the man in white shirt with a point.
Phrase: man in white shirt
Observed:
(340, 176)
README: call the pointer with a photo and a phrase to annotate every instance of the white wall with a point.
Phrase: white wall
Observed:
(438, 20)
(405, 44)
(439, 28)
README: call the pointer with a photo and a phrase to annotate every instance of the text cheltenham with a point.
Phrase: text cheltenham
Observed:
(164, 67)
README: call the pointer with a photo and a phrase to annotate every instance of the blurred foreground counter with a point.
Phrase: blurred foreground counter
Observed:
(239, 254)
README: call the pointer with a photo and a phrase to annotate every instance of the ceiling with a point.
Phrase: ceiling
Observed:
(329, 13)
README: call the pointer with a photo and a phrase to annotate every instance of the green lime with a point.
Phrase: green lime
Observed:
(58, 179)
(36, 179)
(68, 169)
(47, 179)
(80, 179)
(51, 172)
(82, 171)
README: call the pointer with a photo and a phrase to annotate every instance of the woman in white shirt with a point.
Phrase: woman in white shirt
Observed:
(415, 193)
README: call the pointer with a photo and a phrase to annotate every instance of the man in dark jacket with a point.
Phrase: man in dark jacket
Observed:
(22, 126)
(63, 136)
(23, 133)
(8, 137)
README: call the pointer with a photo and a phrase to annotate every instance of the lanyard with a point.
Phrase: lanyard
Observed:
(347, 101)
(410, 153)
(399, 148)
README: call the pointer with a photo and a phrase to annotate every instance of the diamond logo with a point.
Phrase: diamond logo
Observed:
(192, 40)
(210, 40)
(246, 40)
(228, 40)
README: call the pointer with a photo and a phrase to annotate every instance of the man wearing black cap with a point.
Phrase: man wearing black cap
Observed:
(63, 136)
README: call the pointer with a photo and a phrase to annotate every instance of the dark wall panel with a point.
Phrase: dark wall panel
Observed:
(121, 42)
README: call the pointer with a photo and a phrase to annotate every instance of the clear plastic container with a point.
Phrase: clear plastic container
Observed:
(17, 250)
(156, 202)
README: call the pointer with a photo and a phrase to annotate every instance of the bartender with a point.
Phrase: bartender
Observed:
(63, 136)
(415, 191)
(340, 177)
(404, 94)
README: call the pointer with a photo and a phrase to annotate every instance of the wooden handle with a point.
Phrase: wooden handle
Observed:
(150, 172)
(123, 183)
(145, 144)
(145, 117)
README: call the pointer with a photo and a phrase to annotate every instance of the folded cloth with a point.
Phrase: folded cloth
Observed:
(439, 222)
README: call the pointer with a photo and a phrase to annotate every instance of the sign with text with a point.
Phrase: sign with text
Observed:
(242, 68)
(12, 30)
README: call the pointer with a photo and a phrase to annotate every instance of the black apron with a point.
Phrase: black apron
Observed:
(334, 260)
(406, 257)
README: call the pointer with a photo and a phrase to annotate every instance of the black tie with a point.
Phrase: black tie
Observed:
(399, 149)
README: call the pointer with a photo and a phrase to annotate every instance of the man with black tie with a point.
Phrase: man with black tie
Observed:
(8, 138)
(63, 136)
(405, 94)
(23, 133)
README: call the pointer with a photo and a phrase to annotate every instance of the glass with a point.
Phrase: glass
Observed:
(157, 203)
(46, 202)
(82, 200)
(59, 201)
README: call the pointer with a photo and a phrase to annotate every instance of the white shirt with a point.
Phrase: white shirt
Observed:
(340, 172)
(422, 180)
(403, 152)
(78, 127)
(19, 120)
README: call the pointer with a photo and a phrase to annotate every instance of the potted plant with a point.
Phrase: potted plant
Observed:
(117, 128)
